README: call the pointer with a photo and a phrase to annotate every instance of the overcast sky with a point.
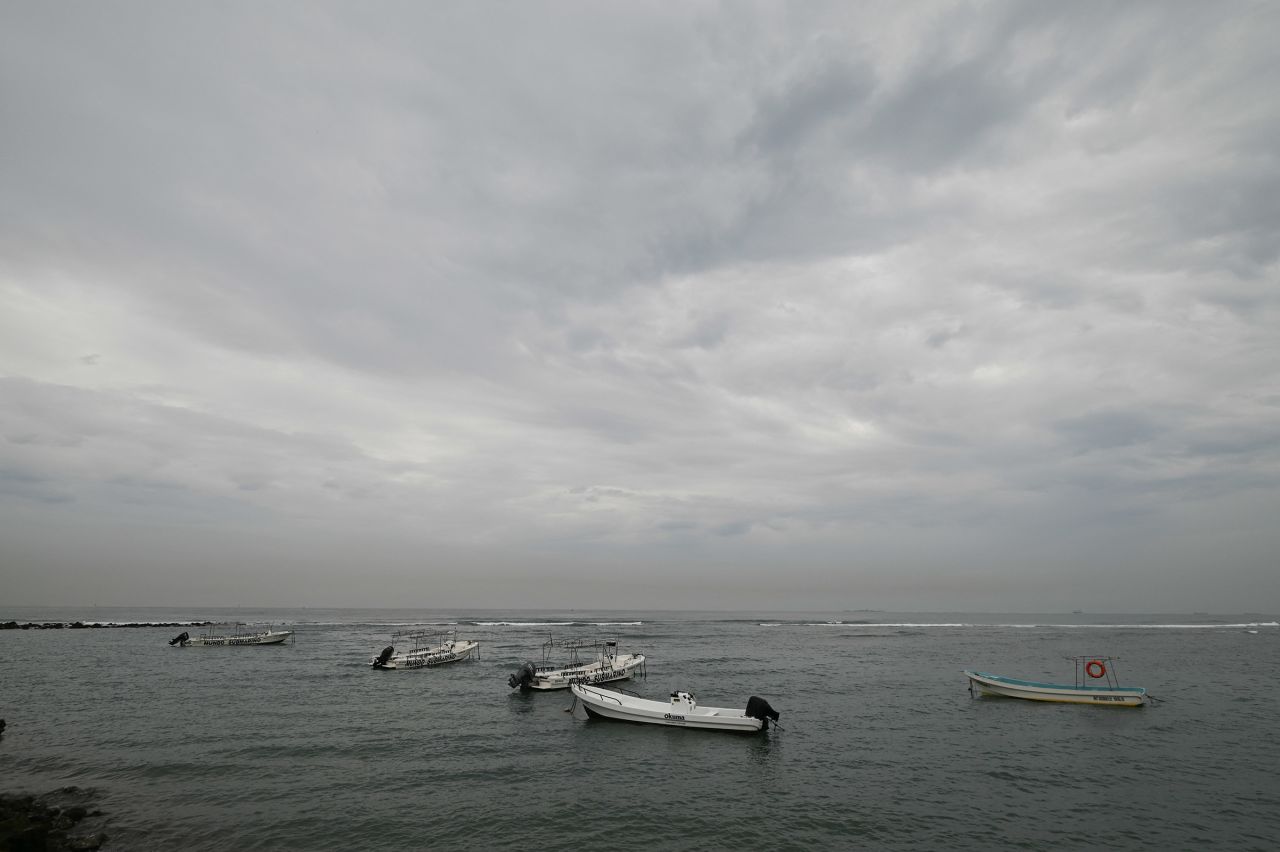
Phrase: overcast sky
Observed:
(685, 305)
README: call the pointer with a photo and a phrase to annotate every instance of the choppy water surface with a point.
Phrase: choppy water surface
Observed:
(305, 747)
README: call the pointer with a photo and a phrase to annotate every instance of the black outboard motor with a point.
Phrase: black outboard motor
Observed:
(381, 662)
(523, 676)
(180, 639)
(758, 708)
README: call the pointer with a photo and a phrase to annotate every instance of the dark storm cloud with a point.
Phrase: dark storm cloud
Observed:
(895, 297)
(822, 99)
(1107, 429)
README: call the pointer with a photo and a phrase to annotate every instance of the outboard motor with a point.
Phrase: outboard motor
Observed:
(180, 639)
(758, 708)
(523, 676)
(381, 662)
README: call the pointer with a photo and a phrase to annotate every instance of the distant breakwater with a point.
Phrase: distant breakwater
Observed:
(94, 625)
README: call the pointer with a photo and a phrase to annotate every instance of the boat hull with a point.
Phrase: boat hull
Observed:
(605, 704)
(620, 668)
(451, 652)
(1098, 696)
(274, 637)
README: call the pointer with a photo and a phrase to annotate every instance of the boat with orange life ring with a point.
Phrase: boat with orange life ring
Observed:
(1111, 694)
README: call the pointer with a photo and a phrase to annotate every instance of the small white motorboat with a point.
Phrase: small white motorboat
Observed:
(1107, 694)
(607, 665)
(682, 711)
(237, 634)
(430, 648)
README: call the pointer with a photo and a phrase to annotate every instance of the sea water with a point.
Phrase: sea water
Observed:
(881, 745)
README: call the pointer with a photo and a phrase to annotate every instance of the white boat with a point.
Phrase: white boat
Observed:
(682, 711)
(607, 665)
(237, 634)
(1106, 694)
(430, 648)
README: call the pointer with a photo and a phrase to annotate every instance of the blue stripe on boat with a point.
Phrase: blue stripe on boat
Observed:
(1013, 681)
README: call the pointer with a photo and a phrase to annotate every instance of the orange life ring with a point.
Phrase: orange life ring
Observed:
(1095, 668)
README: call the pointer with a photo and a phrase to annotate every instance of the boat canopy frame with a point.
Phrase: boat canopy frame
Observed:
(221, 629)
(429, 637)
(575, 645)
(1083, 677)
(599, 648)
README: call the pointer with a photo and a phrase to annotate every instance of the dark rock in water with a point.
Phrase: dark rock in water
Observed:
(42, 824)
(9, 625)
(33, 838)
(88, 842)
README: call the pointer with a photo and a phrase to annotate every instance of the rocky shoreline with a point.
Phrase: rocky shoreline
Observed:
(61, 821)
(95, 625)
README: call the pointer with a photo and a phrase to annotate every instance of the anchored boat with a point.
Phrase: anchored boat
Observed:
(607, 665)
(233, 634)
(1108, 693)
(682, 711)
(430, 648)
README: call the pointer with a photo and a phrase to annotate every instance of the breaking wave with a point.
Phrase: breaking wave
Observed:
(556, 623)
(927, 624)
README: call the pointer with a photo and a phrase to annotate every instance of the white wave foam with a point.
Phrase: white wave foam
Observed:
(1254, 624)
(558, 623)
(1175, 626)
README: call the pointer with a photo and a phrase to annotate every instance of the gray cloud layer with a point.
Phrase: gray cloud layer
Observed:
(940, 306)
